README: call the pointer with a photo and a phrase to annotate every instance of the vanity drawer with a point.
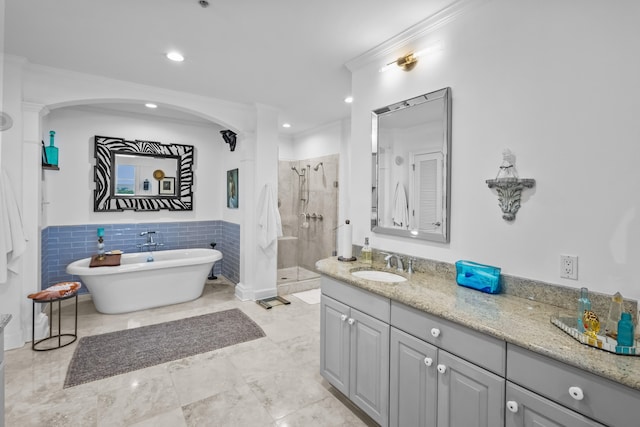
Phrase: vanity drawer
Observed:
(603, 400)
(372, 304)
(480, 349)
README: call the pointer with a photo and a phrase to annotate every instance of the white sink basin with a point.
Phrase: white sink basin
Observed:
(379, 276)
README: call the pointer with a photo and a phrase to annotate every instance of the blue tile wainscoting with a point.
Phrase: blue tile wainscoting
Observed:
(61, 245)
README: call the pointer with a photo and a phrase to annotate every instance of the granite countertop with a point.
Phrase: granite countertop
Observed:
(519, 321)
(4, 319)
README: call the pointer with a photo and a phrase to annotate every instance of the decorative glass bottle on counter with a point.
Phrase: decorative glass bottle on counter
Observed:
(625, 330)
(584, 304)
(366, 255)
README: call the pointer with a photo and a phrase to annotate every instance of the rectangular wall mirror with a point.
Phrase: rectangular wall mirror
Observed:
(411, 156)
(142, 175)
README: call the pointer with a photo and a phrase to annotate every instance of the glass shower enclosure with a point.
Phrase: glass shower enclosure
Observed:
(308, 204)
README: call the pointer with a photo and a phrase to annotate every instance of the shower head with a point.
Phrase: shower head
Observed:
(295, 169)
(318, 166)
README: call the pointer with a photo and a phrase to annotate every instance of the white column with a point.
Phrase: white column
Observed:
(31, 209)
(258, 267)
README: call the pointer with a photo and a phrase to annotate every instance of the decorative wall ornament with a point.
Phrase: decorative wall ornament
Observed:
(229, 137)
(172, 195)
(509, 186)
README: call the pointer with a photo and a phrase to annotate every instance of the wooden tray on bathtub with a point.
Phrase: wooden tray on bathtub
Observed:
(112, 260)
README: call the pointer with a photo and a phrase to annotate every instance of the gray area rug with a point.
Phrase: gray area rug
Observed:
(102, 356)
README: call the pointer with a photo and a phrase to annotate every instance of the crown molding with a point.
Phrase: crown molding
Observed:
(415, 32)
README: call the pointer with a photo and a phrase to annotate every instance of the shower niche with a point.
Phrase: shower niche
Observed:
(308, 204)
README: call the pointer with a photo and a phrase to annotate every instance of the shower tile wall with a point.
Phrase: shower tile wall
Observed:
(62, 245)
(303, 246)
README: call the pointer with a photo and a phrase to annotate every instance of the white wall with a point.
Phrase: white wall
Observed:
(68, 193)
(557, 83)
(322, 141)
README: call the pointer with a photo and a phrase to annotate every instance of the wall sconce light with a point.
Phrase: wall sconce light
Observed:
(230, 138)
(409, 61)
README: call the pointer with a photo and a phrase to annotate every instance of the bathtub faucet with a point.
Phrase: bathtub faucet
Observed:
(150, 243)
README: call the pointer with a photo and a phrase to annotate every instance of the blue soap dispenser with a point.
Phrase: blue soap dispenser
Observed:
(625, 330)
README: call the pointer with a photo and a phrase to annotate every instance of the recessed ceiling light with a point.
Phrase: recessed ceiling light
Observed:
(286, 125)
(348, 99)
(150, 105)
(175, 56)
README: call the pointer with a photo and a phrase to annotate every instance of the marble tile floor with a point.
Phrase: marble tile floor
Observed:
(295, 274)
(272, 381)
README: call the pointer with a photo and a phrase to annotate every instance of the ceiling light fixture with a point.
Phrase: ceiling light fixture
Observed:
(348, 99)
(175, 56)
(409, 61)
(286, 125)
(150, 105)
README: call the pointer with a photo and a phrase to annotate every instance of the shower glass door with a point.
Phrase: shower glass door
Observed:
(307, 199)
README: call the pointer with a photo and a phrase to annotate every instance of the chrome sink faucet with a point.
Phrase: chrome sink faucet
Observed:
(399, 264)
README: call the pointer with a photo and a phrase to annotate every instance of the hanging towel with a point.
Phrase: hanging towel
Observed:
(13, 241)
(269, 222)
(400, 214)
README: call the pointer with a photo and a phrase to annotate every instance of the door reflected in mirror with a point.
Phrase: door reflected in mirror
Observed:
(411, 156)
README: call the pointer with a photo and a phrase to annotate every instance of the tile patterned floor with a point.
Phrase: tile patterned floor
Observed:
(272, 381)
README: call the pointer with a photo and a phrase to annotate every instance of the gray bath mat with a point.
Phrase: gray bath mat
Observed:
(102, 356)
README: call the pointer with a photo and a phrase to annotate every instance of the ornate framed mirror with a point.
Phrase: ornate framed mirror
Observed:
(411, 151)
(142, 175)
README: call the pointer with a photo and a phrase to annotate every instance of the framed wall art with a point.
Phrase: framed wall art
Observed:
(167, 186)
(232, 189)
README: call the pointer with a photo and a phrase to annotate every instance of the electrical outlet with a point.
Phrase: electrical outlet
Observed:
(569, 267)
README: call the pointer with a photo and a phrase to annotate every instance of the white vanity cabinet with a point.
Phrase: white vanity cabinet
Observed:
(354, 346)
(431, 386)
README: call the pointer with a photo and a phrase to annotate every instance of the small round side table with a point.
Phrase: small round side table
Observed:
(63, 339)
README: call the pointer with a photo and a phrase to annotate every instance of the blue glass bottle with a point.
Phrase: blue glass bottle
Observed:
(583, 304)
(51, 151)
(625, 330)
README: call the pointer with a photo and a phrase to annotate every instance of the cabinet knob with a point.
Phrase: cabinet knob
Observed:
(576, 393)
(442, 368)
(343, 317)
(351, 321)
(428, 361)
(435, 332)
(512, 405)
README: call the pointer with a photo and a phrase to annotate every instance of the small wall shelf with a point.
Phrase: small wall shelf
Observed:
(509, 193)
(51, 167)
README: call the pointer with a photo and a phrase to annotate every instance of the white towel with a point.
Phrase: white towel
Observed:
(269, 222)
(400, 214)
(13, 241)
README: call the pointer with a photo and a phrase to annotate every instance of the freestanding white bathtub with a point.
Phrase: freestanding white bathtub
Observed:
(173, 277)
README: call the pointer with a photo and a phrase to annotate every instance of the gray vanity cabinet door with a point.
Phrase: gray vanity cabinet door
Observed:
(468, 396)
(334, 343)
(414, 381)
(527, 409)
(369, 381)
